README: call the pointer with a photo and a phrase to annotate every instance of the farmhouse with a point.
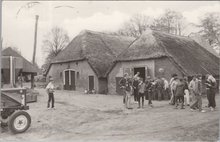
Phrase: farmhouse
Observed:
(85, 62)
(158, 54)
(13, 64)
(95, 60)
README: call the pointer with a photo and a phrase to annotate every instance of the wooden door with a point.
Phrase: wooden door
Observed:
(66, 85)
(72, 77)
(91, 83)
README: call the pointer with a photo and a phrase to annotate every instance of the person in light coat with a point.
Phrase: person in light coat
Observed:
(50, 91)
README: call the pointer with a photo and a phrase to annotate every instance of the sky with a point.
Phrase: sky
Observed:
(18, 29)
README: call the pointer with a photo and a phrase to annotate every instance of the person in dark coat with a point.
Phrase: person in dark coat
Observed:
(122, 84)
(150, 86)
(135, 86)
(159, 88)
(179, 93)
(210, 89)
(141, 91)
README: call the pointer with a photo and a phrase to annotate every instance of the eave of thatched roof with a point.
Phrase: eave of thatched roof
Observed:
(99, 49)
(187, 54)
(27, 66)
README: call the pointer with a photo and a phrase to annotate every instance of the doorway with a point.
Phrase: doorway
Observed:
(141, 70)
(91, 83)
(69, 80)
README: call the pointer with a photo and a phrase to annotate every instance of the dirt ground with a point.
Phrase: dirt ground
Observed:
(81, 117)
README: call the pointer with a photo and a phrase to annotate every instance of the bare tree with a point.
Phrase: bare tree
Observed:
(55, 41)
(210, 27)
(137, 24)
(171, 22)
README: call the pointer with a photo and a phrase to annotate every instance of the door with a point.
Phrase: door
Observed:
(66, 83)
(141, 70)
(69, 82)
(72, 82)
(91, 83)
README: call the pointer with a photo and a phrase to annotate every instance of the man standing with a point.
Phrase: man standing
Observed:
(186, 92)
(210, 88)
(141, 91)
(122, 84)
(135, 86)
(196, 89)
(149, 89)
(173, 88)
(160, 88)
(128, 92)
(179, 93)
(50, 91)
(166, 88)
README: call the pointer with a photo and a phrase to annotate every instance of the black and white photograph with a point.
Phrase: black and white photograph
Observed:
(109, 71)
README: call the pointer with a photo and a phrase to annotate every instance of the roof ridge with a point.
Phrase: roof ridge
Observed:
(173, 35)
(105, 33)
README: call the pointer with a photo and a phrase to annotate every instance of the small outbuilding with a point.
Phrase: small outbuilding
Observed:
(13, 65)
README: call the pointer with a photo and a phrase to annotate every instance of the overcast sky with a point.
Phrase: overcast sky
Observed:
(98, 16)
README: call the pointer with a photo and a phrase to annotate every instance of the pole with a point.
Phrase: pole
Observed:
(35, 39)
(34, 52)
(0, 60)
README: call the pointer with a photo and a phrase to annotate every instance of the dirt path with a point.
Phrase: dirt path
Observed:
(102, 117)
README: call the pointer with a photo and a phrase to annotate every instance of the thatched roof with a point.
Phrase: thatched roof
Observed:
(185, 52)
(99, 49)
(203, 42)
(27, 66)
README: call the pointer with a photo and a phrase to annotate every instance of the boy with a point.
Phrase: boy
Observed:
(50, 91)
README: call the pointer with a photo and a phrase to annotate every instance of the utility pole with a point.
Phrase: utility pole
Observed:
(35, 39)
(0, 60)
(34, 52)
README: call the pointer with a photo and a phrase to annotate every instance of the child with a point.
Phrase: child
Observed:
(141, 90)
(50, 90)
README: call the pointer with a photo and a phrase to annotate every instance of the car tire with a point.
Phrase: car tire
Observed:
(19, 122)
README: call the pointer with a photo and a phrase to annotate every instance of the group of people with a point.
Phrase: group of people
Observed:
(179, 90)
(192, 92)
(182, 93)
(138, 88)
